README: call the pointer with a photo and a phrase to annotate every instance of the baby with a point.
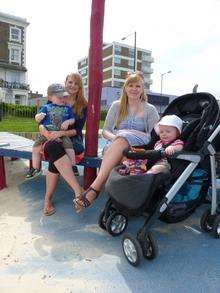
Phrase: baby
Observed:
(169, 129)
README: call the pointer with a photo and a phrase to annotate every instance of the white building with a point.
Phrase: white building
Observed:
(13, 72)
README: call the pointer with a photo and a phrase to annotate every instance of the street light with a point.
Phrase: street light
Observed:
(161, 86)
(135, 47)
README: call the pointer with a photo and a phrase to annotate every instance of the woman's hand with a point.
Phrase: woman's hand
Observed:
(65, 125)
(52, 135)
(108, 135)
(55, 135)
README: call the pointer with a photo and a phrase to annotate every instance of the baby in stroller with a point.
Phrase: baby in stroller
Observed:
(169, 130)
(151, 195)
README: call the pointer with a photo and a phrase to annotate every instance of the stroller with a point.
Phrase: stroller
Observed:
(192, 172)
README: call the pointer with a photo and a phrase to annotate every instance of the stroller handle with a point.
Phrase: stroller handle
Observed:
(144, 154)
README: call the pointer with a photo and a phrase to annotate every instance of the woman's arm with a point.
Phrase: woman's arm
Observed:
(79, 123)
(110, 121)
(108, 135)
(50, 135)
(152, 117)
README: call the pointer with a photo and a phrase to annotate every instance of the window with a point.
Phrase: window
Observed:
(118, 84)
(17, 100)
(117, 50)
(14, 77)
(117, 60)
(117, 72)
(83, 71)
(15, 34)
(131, 63)
(15, 55)
(131, 52)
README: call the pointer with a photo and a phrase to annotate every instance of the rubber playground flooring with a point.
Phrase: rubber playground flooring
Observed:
(68, 252)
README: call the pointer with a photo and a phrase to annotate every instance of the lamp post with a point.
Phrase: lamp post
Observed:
(135, 47)
(161, 86)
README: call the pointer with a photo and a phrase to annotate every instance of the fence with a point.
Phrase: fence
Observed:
(18, 118)
(12, 110)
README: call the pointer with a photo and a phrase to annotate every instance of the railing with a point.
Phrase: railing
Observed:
(13, 85)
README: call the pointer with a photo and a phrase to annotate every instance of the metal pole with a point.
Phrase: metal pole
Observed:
(161, 87)
(135, 49)
(95, 85)
(161, 90)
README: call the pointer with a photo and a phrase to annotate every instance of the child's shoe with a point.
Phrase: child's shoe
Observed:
(75, 170)
(33, 173)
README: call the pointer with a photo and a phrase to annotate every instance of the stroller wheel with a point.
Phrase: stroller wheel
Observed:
(116, 224)
(206, 221)
(132, 249)
(149, 247)
(216, 227)
(102, 221)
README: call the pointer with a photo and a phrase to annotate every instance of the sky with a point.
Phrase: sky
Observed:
(183, 35)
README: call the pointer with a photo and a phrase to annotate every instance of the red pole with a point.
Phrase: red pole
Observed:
(2, 173)
(95, 85)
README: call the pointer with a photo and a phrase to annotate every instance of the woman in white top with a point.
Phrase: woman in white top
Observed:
(128, 123)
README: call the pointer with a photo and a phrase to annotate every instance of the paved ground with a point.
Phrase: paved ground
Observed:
(70, 253)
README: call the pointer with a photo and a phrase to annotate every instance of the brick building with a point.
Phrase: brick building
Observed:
(118, 59)
(13, 79)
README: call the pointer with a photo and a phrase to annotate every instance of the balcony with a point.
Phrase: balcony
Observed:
(148, 80)
(13, 85)
(147, 70)
(148, 59)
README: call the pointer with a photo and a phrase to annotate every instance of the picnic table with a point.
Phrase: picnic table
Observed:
(15, 146)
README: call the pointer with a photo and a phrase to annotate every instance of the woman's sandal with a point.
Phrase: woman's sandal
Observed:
(49, 212)
(82, 202)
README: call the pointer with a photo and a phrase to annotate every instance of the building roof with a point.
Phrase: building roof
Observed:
(13, 19)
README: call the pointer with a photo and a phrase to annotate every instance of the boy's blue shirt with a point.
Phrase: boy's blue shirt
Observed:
(55, 115)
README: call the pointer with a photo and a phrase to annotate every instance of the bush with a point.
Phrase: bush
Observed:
(103, 114)
(18, 110)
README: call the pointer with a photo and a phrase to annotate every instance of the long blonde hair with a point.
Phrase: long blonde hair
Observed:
(123, 106)
(80, 100)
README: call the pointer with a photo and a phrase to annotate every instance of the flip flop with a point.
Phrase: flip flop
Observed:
(49, 212)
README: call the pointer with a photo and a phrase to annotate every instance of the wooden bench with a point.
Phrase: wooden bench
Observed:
(15, 146)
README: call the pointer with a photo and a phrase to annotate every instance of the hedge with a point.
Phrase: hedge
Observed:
(28, 111)
(17, 110)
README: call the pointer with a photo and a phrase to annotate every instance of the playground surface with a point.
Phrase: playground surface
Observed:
(68, 252)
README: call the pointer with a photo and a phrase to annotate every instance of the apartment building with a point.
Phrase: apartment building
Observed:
(118, 59)
(13, 72)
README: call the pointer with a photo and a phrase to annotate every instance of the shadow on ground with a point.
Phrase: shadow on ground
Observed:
(72, 246)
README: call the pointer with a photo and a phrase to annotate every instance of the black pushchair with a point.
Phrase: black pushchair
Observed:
(192, 172)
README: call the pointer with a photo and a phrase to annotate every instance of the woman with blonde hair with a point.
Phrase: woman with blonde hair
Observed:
(128, 123)
(59, 163)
